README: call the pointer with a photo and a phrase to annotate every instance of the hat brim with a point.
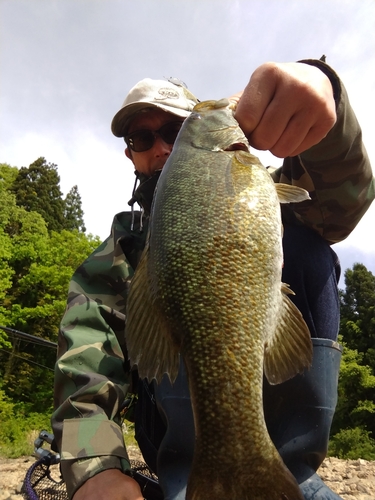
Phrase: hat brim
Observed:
(122, 118)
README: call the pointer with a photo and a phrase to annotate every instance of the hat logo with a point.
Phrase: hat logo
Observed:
(166, 93)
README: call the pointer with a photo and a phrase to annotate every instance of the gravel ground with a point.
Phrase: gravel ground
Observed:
(351, 479)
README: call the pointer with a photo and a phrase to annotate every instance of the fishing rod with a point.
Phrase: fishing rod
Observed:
(25, 359)
(29, 337)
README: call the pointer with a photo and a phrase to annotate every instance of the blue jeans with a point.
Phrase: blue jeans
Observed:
(312, 270)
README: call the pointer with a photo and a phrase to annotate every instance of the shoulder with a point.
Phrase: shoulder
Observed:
(113, 262)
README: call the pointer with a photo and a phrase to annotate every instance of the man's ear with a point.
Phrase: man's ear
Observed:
(128, 154)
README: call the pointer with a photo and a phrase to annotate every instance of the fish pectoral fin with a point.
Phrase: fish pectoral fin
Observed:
(291, 194)
(148, 342)
(289, 351)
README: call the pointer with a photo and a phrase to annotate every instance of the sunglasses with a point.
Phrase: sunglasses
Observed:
(143, 140)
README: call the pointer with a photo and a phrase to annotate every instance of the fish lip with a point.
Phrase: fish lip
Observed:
(237, 146)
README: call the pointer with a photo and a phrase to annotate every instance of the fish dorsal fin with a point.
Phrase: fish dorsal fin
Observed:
(148, 341)
(291, 194)
(289, 350)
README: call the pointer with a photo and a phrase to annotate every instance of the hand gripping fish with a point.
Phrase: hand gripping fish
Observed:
(208, 287)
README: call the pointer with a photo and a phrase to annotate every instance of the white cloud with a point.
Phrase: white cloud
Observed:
(67, 64)
(103, 174)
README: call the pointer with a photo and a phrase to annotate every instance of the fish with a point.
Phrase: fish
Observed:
(208, 288)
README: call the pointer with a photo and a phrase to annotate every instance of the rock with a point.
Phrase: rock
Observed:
(19, 487)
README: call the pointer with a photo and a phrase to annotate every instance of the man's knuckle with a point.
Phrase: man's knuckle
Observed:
(261, 143)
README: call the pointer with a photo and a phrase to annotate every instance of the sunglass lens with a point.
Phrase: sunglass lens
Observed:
(141, 140)
(169, 132)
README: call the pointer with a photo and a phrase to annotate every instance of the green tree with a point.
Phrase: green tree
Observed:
(37, 189)
(8, 209)
(25, 234)
(356, 402)
(357, 324)
(35, 305)
(350, 444)
(353, 428)
(6, 273)
(73, 212)
(7, 175)
(36, 265)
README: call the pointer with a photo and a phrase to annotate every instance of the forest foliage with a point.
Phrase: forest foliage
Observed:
(42, 242)
(353, 429)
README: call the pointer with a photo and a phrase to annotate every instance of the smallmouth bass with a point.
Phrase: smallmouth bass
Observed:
(208, 287)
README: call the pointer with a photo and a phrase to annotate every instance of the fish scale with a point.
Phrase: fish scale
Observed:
(208, 287)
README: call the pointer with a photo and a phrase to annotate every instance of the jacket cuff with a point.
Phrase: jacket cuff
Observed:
(330, 73)
(90, 446)
(77, 472)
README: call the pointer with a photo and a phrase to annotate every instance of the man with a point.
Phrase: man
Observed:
(300, 112)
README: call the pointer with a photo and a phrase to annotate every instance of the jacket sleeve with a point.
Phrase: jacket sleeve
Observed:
(92, 373)
(336, 172)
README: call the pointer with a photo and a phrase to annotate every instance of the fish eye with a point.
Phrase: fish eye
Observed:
(195, 116)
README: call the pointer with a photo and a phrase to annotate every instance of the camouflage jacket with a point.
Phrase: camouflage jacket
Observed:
(92, 372)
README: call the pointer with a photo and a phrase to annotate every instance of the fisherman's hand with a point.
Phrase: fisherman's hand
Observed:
(286, 108)
(110, 484)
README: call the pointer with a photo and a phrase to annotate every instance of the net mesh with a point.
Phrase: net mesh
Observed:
(44, 482)
(142, 468)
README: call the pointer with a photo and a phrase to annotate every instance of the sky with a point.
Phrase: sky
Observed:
(67, 65)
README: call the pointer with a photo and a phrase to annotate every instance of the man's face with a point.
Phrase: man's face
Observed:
(147, 162)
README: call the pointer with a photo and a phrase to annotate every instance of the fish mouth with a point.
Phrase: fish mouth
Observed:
(237, 146)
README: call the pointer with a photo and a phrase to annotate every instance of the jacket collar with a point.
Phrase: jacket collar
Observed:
(144, 193)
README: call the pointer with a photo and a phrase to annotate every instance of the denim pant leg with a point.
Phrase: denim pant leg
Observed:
(165, 432)
(312, 270)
